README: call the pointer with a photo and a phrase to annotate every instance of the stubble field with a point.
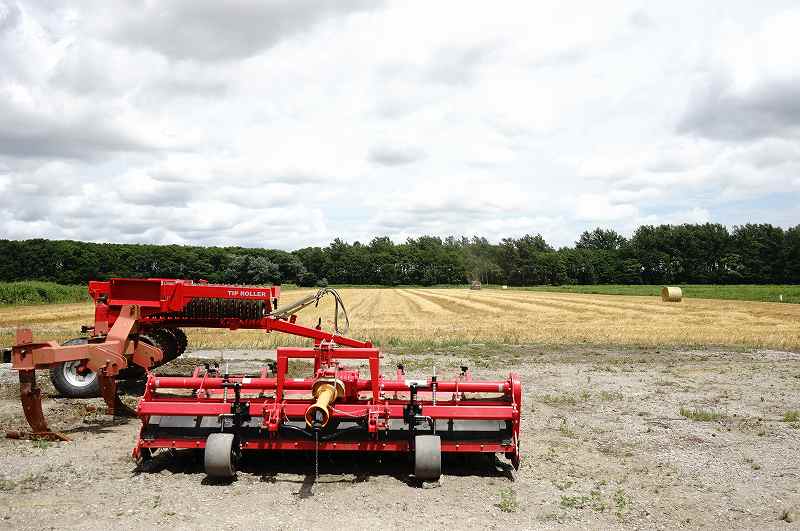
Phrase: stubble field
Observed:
(428, 318)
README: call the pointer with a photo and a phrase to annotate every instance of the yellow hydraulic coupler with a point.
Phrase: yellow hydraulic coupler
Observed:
(325, 391)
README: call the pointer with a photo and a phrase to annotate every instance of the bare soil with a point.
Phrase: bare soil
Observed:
(606, 444)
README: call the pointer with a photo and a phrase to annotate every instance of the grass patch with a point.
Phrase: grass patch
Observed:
(594, 501)
(28, 483)
(699, 414)
(610, 396)
(563, 399)
(42, 444)
(793, 415)
(621, 503)
(566, 431)
(597, 501)
(35, 292)
(508, 501)
(573, 502)
(563, 485)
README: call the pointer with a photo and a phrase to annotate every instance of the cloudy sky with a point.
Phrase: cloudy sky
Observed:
(286, 123)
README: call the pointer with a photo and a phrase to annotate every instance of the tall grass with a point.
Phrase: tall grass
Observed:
(35, 292)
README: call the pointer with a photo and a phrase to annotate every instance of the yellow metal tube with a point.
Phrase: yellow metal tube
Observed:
(317, 415)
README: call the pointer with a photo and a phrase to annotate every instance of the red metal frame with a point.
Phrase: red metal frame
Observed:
(375, 400)
(156, 296)
(125, 308)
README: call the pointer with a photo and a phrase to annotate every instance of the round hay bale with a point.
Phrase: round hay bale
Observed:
(671, 294)
(476, 284)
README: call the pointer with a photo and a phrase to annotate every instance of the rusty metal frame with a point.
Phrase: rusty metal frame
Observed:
(106, 359)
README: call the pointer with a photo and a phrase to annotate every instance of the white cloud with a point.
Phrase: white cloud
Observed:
(598, 208)
(752, 88)
(395, 154)
(692, 215)
(207, 30)
(289, 123)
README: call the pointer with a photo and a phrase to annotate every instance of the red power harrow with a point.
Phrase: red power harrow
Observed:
(137, 324)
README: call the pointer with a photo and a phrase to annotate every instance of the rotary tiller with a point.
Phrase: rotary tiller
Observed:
(332, 409)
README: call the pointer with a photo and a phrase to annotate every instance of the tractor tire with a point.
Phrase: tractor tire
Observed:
(427, 457)
(69, 382)
(220, 456)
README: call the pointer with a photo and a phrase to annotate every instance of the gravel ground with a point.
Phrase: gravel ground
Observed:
(604, 445)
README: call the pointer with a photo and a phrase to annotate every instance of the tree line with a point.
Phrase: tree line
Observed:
(688, 254)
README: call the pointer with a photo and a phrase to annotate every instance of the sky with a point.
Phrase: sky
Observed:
(287, 123)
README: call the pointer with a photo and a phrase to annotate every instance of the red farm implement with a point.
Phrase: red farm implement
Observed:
(138, 325)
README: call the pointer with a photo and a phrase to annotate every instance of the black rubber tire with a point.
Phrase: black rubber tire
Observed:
(427, 457)
(64, 386)
(219, 456)
(180, 337)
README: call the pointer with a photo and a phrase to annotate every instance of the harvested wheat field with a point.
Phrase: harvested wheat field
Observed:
(424, 318)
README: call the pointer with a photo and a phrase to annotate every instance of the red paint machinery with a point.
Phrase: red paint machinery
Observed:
(138, 323)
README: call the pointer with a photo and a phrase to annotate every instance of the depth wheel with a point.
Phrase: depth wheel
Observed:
(427, 457)
(72, 380)
(220, 457)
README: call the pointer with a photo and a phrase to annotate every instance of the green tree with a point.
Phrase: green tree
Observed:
(761, 253)
(791, 245)
(245, 269)
(600, 240)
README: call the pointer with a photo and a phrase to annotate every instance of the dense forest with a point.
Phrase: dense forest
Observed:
(707, 254)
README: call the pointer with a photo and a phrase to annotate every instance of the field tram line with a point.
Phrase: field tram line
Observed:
(565, 303)
(507, 306)
(468, 305)
(561, 299)
(414, 304)
(381, 306)
(551, 307)
(355, 310)
(427, 305)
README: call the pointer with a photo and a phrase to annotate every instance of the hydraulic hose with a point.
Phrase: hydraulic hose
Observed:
(314, 299)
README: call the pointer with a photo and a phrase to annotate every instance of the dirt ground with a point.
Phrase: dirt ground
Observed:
(606, 444)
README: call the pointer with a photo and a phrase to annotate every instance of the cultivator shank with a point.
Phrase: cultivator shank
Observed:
(105, 358)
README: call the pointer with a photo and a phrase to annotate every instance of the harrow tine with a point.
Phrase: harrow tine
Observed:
(31, 397)
(114, 404)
